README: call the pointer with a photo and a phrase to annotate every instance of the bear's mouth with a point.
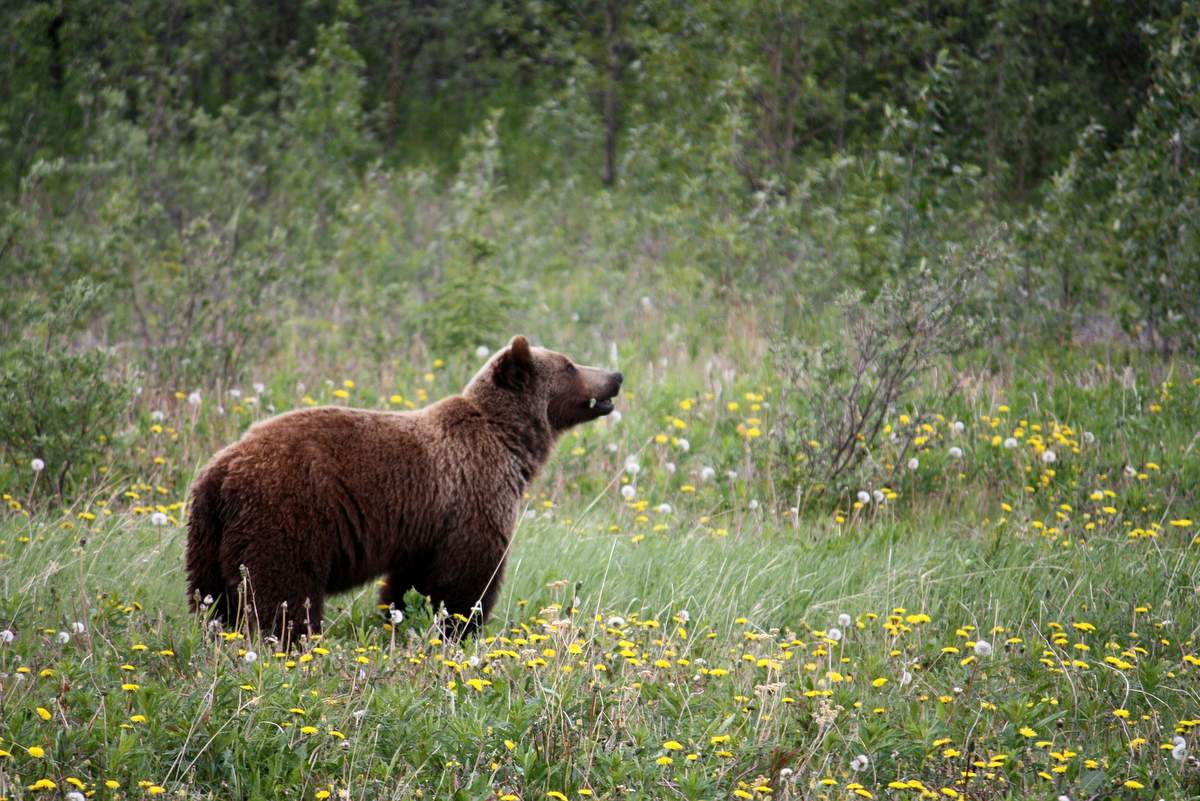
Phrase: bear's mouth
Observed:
(601, 406)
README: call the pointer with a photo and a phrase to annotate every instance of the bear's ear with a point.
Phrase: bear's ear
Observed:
(514, 367)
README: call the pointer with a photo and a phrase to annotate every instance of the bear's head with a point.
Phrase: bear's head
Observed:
(544, 386)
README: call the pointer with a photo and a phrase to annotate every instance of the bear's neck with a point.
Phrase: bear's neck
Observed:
(526, 435)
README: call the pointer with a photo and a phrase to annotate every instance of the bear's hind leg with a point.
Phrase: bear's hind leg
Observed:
(283, 600)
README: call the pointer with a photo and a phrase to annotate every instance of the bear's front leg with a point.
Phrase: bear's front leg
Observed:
(467, 585)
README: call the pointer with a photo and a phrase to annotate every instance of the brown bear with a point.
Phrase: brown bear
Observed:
(320, 500)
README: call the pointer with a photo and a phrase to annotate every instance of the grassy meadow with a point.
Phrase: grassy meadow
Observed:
(901, 498)
(1005, 619)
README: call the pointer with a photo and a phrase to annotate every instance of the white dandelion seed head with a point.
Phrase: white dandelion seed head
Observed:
(1064, 797)
(913, 463)
(259, 387)
(834, 634)
(860, 763)
(844, 620)
(6, 636)
(707, 473)
(628, 491)
(474, 661)
(1180, 751)
(616, 621)
(956, 452)
(670, 467)
(158, 415)
(731, 475)
(530, 514)
(194, 397)
(753, 504)
(208, 600)
(878, 496)
(38, 465)
(1049, 457)
(1089, 437)
(250, 657)
(614, 417)
(646, 302)
(863, 496)
(612, 447)
(785, 772)
(75, 795)
(483, 351)
(158, 518)
(958, 690)
(664, 509)
(905, 677)
(1130, 470)
(396, 617)
(78, 627)
(684, 445)
(959, 426)
(685, 615)
(62, 638)
(632, 467)
(1010, 443)
(235, 393)
(983, 648)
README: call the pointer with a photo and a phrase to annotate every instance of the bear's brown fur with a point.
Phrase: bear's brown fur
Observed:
(320, 500)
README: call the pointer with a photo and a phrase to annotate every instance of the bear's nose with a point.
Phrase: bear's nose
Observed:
(619, 378)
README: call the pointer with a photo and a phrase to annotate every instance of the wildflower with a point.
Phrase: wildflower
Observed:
(860, 763)
(628, 491)
(983, 648)
(75, 795)
(684, 445)
(664, 508)
(36, 751)
(631, 466)
(158, 519)
(616, 621)
(6, 636)
(913, 463)
(78, 627)
(158, 415)
(753, 504)
(194, 398)
(959, 426)
(1049, 457)
(844, 620)
(396, 616)
(863, 496)
(670, 467)
(956, 452)
(1179, 749)
(673, 745)
(707, 473)
(251, 657)
(905, 678)
(878, 496)
(62, 638)
(1010, 443)
(834, 634)
(38, 465)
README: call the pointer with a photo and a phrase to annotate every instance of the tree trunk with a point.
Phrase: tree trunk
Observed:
(612, 22)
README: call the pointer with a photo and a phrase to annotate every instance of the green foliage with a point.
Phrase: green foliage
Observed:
(1155, 205)
(58, 403)
(836, 400)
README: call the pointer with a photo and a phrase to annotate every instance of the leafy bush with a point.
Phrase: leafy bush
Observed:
(836, 398)
(57, 402)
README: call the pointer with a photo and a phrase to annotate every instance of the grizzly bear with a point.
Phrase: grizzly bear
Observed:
(320, 500)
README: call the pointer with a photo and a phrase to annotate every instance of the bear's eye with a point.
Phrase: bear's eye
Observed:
(571, 369)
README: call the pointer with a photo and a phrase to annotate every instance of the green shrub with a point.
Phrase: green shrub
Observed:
(56, 402)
